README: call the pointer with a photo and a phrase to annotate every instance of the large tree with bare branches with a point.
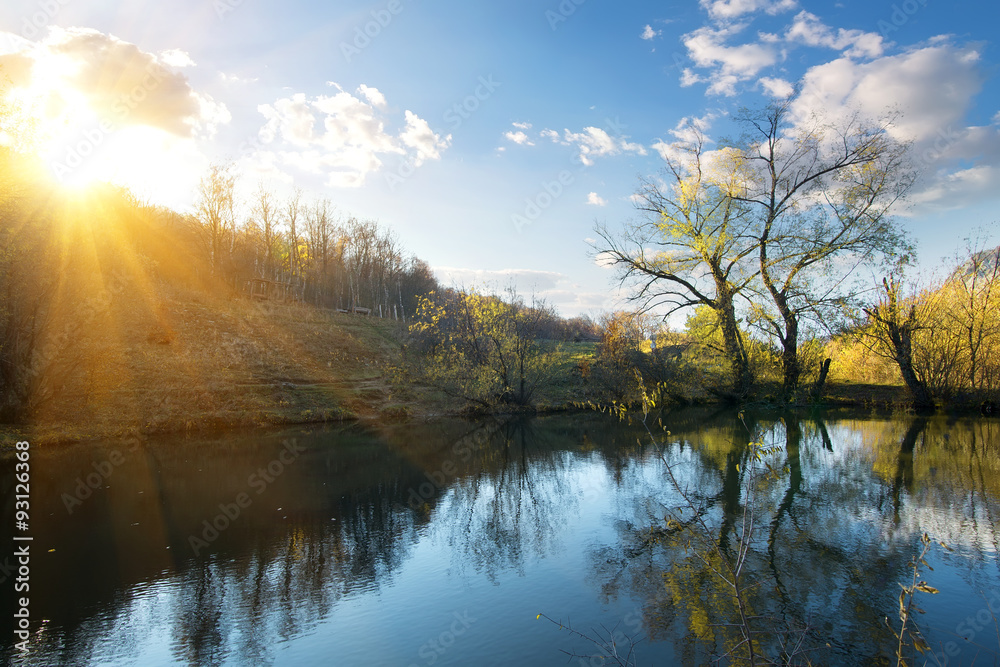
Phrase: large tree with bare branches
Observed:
(820, 196)
(777, 222)
(691, 245)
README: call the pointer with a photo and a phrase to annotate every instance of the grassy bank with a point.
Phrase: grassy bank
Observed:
(184, 362)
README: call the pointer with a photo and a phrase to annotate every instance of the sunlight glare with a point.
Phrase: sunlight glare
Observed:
(82, 147)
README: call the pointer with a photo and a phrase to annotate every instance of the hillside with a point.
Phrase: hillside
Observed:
(190, 362)
(184, 360)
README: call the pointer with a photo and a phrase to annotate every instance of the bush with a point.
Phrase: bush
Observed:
(482, 348)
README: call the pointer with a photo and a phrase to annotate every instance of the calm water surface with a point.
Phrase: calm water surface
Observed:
(440, 543)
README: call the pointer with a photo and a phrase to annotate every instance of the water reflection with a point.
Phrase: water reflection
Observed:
(206, 551)
(829, 544)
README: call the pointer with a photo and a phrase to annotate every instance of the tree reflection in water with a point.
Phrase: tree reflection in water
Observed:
(835, 530)
(822, 565)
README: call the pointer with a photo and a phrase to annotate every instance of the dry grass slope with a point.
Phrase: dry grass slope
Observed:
(183, 360)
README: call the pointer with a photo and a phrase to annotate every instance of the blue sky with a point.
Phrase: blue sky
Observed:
(449, 121)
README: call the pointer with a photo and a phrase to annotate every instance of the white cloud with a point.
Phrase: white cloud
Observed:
(724, 65)
(291, 119)
(344, 137)
(732, 9)
(115, 80)
(522, 126)
(934, 87)
(688, 131)
(419, 136)
(556, 289)
(809, 30)
(519, 138)
(689, 77)
(550, 134)
(12, 43)
(594, 199)
(526, 280)
(778, 88)
(236, 80)
(649, 33)
(594, 142)
(605, 260)
(959, 188)
(176, 58)
(729, 65)
(374, 97)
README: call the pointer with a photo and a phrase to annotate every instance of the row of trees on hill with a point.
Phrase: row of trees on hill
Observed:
(66, 257)
(307, 248)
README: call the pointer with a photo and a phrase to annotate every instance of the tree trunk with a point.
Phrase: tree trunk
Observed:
(898, 333)
(904, 357)
(824, 370)
(791, 370)
(742, 378)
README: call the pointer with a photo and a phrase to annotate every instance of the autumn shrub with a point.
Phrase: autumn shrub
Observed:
(482, 348)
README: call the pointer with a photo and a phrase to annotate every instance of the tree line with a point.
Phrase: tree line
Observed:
(307, 249)
(67, 258)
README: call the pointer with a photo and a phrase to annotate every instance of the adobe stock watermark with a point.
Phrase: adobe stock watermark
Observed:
(223, 7)
(40, 19)
(900, 16)
(547, 194)
(87, 484)
(984, 620)
(562, 13)
(455, 116)
(551, 190)
(461, 111)
(438, 480)
(611, 639)
(434, 648)
(46, 354)
(258, 481)
(94, 137)
(365, 34)
(944, 139)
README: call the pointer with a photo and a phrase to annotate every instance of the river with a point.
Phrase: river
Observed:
(478, 543)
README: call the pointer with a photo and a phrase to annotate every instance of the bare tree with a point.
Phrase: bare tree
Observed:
(893, 322)
(821, 198)
(692, 245)
(216, 211)
(320, 231)
(265, 219)
(975, 287)
(293, 210)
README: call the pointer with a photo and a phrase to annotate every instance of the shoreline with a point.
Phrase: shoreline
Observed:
(883, 399)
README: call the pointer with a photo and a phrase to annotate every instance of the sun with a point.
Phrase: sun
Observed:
(82, 147)
(57, 123)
